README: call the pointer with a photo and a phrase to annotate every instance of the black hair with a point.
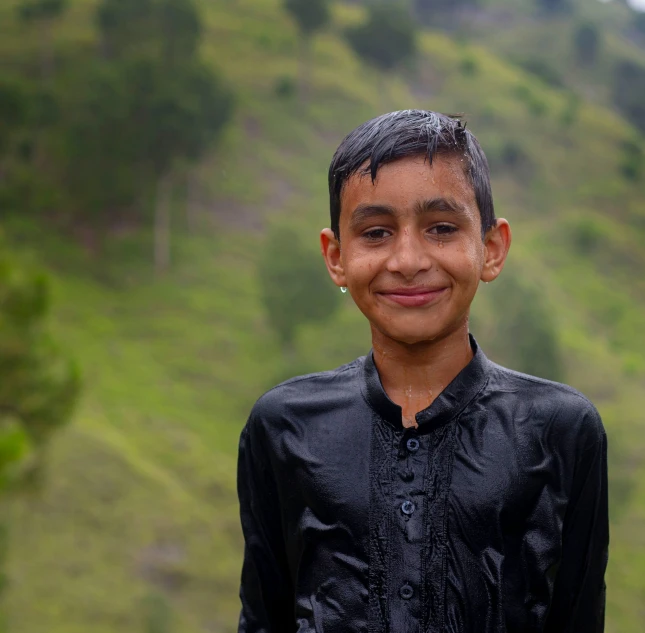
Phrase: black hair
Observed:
(396, 135)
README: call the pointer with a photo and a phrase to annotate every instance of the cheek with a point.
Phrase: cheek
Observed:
(465, 263)
(360, 268)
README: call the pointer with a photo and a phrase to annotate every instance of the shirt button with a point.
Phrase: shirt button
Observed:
(413, 445)
(407, 507)
(407, 475)
(406, 592)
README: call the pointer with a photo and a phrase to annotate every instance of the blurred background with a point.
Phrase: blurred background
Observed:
(162, 184)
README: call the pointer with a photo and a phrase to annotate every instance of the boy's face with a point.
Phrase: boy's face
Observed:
(411, 251)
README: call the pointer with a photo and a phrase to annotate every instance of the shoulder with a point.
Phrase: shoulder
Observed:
(558, 406)
(303, 396)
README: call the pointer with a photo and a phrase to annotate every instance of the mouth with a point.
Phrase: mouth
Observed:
(413, 297)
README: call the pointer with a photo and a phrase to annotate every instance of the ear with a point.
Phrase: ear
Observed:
(330, 248)
(496, 244)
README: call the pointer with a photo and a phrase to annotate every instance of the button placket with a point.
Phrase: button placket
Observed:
(410, 466)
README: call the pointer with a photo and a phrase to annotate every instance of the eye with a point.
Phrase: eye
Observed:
(443, 229)
(374, 235)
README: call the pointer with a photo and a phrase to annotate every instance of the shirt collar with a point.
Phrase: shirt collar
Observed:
(447, 405)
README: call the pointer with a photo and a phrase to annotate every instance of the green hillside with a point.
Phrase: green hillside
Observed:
(139, 512)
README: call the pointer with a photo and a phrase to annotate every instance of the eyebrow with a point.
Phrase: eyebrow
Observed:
(444, 205)
(364, 212)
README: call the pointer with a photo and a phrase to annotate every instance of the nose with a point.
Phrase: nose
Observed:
(410, 255)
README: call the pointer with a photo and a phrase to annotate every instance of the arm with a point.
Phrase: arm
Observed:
(578, 604)
(266, 592)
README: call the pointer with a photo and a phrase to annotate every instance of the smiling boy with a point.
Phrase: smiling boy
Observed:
(421, 488)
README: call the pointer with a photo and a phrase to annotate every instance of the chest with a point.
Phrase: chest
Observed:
(479, 471)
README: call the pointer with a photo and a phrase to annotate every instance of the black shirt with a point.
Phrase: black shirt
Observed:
(490, 517)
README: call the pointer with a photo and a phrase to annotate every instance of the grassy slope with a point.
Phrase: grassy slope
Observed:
(141, 496)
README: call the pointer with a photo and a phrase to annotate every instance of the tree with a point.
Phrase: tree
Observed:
(294, 284)
(386, 39)
(100, 172)
(554, 6)
(521, 333)
(586, 43)
(629, 91)
(43, 13)
(639, 22)
(168, 30)
(438, 11)
(311, 16)
(632, 165)
(148, 107)
(13, 112)
(181, 115)
(38, 383)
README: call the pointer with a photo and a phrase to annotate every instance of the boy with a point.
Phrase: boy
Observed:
(422, 488)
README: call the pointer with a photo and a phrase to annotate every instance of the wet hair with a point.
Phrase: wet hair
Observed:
(397, 135)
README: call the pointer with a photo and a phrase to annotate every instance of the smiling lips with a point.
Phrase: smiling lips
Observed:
(413, 297)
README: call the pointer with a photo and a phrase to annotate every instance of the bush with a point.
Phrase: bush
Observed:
(469, 66)
(541, 69)
(554, 6)
(534, 103)
(586, 234)
(510, 156)
(387, 39)
(285, 87)
(294, 284)
(522, 333)
(586, 44)
(633, 159)
(571, 110)
(629, 91)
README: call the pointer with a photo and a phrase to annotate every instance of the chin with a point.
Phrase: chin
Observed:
(411, 336)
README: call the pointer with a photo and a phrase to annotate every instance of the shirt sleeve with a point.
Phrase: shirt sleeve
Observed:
(578, 604)
(266, 590)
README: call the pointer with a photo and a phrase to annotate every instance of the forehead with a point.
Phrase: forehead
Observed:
(404, 182)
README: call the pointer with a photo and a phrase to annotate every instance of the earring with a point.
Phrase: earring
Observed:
(343, 289)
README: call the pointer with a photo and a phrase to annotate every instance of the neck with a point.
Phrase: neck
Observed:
(414, 375)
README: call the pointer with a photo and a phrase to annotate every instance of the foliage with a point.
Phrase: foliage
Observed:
(629, 91)
(295, 287)
(285, 87)
(386, 39)
(99, 166)
(632, 165)
(166, 30)
(39, 384)
(157, 614)
(43, 13)
(173, 106)
(510, 157)
(639, 22)
(32, 10)
(532, 99)
(554, 6)
(434, 10)
(523, 335)
(542, 69)
(133, 116)
(13, 111)
(587, 42)
(309, 15)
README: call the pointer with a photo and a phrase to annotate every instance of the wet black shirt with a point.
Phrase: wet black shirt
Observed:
(490, 517)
